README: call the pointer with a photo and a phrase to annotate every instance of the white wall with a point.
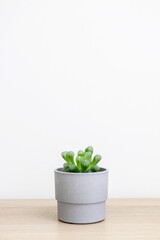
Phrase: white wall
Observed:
(78, 73)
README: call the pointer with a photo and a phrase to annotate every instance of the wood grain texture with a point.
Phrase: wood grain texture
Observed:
(127, 219)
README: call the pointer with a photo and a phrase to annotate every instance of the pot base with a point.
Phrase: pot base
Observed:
(81, 213)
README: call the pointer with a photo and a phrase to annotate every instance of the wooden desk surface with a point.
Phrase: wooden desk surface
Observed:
(136, 219)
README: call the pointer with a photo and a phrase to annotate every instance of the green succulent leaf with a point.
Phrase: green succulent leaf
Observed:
(66, 170)
(73, 168)
(95, 168)
(81, 153)
(95, 160)
(84, 165)
(88, 156)
(89, 149)
(65, 165)
(70, 157)
(78, 161)
(63, 154)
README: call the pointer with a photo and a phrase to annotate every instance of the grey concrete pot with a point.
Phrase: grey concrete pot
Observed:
(81, 196)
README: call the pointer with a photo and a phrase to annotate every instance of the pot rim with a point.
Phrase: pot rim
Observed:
(103, 170)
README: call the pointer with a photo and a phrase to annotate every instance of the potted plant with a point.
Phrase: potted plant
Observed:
(81, 188)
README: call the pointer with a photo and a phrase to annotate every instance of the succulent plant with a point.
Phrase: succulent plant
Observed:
(83, 162)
